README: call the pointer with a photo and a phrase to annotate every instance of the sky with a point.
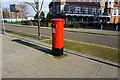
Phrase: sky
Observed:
(6, 3)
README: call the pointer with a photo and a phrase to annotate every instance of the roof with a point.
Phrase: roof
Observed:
(78, 15)
(93, 4)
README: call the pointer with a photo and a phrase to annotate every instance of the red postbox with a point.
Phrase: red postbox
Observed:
(57, 36)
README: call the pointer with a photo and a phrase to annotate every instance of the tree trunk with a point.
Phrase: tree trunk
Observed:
(38, 20)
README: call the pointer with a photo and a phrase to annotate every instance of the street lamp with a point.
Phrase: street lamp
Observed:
(2, 21)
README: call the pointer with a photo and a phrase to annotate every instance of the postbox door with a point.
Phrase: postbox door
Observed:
(53, 34)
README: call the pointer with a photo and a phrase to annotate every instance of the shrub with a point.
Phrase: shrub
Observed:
(73, 25)
(27, 22)
(76, 25)
(35, 23)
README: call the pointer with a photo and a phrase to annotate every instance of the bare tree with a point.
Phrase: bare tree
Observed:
(5, 12)
(37, 8)
(24, 9)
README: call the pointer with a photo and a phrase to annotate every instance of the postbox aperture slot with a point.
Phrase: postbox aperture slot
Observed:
(53, 26)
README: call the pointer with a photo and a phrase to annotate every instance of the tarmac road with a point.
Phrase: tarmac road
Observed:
(106, 40)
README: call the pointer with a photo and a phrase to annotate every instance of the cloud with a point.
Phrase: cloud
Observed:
(14, 1)
(6, 3)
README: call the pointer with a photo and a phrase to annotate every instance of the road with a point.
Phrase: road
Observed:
(110, 41)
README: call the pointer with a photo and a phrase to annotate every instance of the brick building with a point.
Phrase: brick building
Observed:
(111, 9)
(16, 12)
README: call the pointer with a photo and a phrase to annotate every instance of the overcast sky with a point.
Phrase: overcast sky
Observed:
(6, 3)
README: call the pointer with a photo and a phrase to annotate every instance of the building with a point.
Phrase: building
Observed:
(86, 12)
(16, 13)
(111, 10)
(15, 7)
(75, 11)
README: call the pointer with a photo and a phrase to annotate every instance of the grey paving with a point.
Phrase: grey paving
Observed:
(105, 40)
(23, 61)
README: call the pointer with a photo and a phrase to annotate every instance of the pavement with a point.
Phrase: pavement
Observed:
(24, 59)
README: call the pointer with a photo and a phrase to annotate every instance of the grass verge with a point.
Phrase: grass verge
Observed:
(83, 48)
(15, 23)
(94, 50)
(20, 33)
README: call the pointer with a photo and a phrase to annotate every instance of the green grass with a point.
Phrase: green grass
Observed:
(94, 50)
(20, 33)
(17, 23)
(23, 34)
(83, 48)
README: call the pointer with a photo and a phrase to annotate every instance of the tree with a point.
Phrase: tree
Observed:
(37, 8)
(48, 17)
(5, 12)
(35, 17)
(42, 18)
(42, 15)
(24, 9)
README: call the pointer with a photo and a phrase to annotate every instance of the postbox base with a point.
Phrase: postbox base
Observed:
(57, 51)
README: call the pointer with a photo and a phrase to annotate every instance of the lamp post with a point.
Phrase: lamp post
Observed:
(2, 21)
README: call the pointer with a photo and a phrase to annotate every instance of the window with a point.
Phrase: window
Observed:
(90, 10)
(77, 8)
(93, 10)
(109, 11)
(115, 12)
(72, 8)
(119, 12)
(115, 2)
(109, 2)
(98, 11)
(66, 8)
(83, 9)
(86, 10)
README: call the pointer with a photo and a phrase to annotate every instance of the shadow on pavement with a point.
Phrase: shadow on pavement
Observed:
(48, 51)
(43, 49)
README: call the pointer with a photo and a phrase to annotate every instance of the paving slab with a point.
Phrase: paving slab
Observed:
(106, 71)
(24, 59)
(89, 70)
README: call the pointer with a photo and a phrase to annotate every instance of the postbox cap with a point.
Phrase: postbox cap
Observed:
(58, 19)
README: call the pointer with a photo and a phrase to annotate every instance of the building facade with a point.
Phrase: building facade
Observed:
(16, 12)
(86, 12)
(111, 8)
